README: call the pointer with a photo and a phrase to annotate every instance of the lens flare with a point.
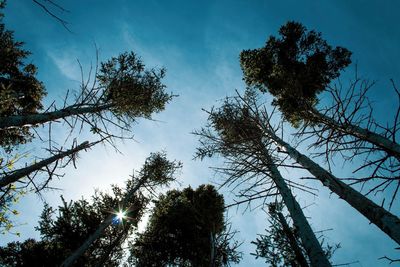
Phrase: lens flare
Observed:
(120, 215)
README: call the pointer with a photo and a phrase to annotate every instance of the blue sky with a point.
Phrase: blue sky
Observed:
(199, 43)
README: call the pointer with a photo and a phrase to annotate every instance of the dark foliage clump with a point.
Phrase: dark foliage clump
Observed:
(294, 68)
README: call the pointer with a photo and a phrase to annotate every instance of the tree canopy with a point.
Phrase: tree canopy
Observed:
(75, 220)
(20, 92)
(182, 229)
(294, 68)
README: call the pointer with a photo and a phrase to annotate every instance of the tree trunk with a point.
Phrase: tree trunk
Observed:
(391, 147)
(292, 240)
(18, 174)
(99, 231)
(308, 238)
(108, 251)
(40, 118)
(386, 221)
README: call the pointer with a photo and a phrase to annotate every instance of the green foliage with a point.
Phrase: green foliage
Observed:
(294, 68)
(230, 127)
(75, 221)
(9, 195)
(158, 170)
(20, 92)
(180, 230)
(132, 90)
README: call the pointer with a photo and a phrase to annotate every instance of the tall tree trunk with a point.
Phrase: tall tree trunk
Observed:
(109, 249)
(99, 231)
(18, 174)
(40, 118)
(308, 238)
(292, 240)
(386, 221)
(391, 147)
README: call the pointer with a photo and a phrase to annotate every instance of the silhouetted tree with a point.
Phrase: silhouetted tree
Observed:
(126, 91)
(20, 92)
(281, 244)
(232, 133)
(299, 65)
(74, 222)
(260, 119)
(183, 230)
(78, 220)
(109, 102)
(157, 171)
(294, 69)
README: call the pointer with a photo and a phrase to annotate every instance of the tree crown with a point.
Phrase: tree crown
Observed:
(20, 92)
(294, 68)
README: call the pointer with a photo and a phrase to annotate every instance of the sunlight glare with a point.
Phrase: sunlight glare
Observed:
(121, 215)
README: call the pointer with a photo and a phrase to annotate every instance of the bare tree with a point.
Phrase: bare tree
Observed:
(48, 166)
(247, 106)
(109, 103)
(352, 106)
(249, 163)
(297, 67)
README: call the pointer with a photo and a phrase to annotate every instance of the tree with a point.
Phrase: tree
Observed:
(157, 171)
(247, 106)
(281, 244)
(110, 101)
(183, 230)
(77, 220)
(297, 67)
(20, 92)
(294, 69)
(74, 222)
(126, 91)
(9, 196)
(13, 176)
(232, 134)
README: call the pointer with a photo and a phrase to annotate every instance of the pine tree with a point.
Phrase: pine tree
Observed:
(157, 171)
(184, 230)
(295, 69)
(20, 92)
(76, 221)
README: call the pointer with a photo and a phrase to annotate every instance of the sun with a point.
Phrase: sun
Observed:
(120, 215)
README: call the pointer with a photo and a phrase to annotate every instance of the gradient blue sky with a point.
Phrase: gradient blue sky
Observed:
(199, 43)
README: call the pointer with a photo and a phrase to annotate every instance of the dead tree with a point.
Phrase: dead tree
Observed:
(108, 104)
(352, 106)
(249, 164)
(298, 66)
(44, 166)
(383, 219)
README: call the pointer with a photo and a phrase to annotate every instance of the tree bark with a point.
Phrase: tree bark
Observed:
(99, 231)
(106, 254)
(292, 240)
(386, 221)
(308, 238)
(18, 174)
(41, 118)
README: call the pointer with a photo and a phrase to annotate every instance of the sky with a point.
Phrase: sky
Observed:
(199, 42)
